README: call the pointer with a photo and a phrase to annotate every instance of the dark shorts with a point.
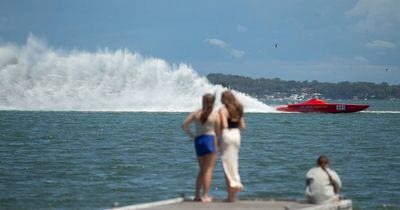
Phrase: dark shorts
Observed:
(204, 145)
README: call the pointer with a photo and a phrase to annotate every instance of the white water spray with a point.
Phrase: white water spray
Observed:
(36, 77)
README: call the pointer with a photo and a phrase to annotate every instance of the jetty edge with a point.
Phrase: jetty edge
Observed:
(183, 203)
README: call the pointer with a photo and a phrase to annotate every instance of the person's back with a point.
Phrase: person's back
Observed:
(322, 183)
(320, 190)
(206, 128)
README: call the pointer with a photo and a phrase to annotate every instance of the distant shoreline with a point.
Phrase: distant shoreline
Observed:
(300, 90)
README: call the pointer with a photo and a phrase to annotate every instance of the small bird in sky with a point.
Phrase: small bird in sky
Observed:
(276, 45)
(387, 69)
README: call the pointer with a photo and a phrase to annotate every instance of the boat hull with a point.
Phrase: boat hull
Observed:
(324, 108)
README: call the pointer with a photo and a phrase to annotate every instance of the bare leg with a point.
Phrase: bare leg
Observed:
(231, 193)
(199, 179)
(208, 169)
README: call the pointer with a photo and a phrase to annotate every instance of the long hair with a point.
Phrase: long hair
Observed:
(208, 105)
(234, 107)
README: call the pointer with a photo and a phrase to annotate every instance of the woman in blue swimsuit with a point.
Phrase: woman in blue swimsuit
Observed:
(207, 128)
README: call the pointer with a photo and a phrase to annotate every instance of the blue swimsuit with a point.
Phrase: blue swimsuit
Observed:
(204, 145)
(205, 136)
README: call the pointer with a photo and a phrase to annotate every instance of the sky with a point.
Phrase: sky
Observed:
(327, 41)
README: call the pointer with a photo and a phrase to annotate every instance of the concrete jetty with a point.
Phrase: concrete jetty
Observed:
(248, 204)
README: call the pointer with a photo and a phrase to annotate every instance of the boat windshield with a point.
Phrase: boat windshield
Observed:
(315, 101)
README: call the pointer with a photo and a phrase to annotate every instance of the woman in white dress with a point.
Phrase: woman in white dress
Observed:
(232, 122)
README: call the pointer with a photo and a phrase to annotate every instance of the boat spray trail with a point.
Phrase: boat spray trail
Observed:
(37, 77)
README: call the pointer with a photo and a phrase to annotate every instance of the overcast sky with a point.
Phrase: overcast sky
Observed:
(341, 40)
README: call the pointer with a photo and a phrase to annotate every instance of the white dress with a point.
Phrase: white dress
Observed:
(230, 144)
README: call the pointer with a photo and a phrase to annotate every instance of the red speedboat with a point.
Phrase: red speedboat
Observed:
(318, 105)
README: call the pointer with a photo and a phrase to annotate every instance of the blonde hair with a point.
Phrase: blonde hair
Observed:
(208, 106)
(234, 107)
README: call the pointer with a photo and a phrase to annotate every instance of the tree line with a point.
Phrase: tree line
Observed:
(280, 88)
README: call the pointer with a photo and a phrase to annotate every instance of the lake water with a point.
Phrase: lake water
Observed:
(90, 160)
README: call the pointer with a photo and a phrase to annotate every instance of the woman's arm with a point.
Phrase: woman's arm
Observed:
(185, 125)
(224, 117)
(242, 124)
(217, 126)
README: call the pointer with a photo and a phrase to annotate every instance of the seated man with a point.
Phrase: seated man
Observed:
(322, 183)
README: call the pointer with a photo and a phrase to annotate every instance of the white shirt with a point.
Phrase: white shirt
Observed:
(208, 127)
(320, 190)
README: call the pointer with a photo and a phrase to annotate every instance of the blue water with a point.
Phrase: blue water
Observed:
(90, 160)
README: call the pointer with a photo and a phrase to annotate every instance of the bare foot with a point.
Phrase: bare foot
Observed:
(197, 198)
(206, 200)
